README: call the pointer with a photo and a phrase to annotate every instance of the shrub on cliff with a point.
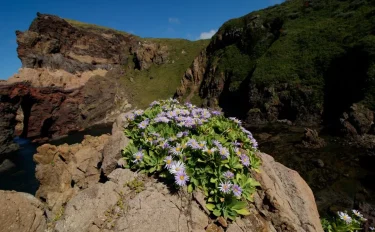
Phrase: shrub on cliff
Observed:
(197, 148)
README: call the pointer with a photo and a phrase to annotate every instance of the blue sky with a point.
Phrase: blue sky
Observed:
(191, 20)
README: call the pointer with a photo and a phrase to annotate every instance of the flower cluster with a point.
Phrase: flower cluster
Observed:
(195, 147)
(352, 221)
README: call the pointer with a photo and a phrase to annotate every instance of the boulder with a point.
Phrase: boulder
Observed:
(285, 199)
(311, 139)
(64, 170)
(21, 212)
(115, 144)
(359, 120)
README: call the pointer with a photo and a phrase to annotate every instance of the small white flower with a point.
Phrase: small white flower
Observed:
(177, 167)
(345, 217)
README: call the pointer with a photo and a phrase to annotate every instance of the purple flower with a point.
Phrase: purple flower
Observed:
(216, 113)
(235, 143)
(225, 187)
(154, 103)
(176, 150)
(209, 151)
(144, 124)
(185, 133)
(224, 152)
(177, 167)
(130, 117)
(179, 134)
(181, 178)
(206, 114)
(228, 175)
(245, 160)
(237, 151)
(171, 114)
(202, 145)
(138, 112)
(237, 191)
(254, 142)
(168, 161)
(193, 144)
(189, 105)
(235, 120)
(138, 157)
(164, 145)
(217, 143)
(155, 134)
(162, 119)
(372, 228)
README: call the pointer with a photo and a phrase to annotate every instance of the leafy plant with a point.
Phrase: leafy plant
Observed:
(345, 222)
(197, 148)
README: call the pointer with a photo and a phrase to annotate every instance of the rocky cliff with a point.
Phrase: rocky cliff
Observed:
(83, 188)
(302, 61)
(74, 75)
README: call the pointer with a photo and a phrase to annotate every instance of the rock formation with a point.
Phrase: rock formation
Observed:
(21, 212)
(74, 75)
(272, 65)
(121, 200)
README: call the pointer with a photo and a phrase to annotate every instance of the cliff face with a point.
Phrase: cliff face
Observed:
(74, 75)
(303, 61)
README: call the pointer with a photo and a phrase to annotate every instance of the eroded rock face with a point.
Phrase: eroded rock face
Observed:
(21, 212)
(285, 198)
(66, 169)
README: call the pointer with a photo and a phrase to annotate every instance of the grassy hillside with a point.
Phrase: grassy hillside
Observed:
(325, 46)
(159, 81)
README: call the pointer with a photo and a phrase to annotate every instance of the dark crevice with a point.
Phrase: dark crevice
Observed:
(26, 105)
(345, 82)
(72, 183)
(45, 130)
(103, 178)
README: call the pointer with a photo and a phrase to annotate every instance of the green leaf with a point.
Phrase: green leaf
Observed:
(190, 188)
(217, 213)
(243, 211)
(210, 207)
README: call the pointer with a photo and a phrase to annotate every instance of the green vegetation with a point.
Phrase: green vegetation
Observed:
(136, 185)
(326, 46)
(346, 222)
(197, 148)
(161, 81)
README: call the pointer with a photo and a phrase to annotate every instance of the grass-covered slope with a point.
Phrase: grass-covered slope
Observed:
(317, 55)
(160, 79)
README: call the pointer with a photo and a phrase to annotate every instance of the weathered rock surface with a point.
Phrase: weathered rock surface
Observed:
(117, 142)
(21, 212)
(311, 139)
(285, 198)
(357, 121)
(66, 169)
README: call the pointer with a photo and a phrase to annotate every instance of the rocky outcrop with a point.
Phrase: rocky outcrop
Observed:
(21, 212)
(64, 170)
(359, 120)
(134, 202)
(253, 68)
(95, 66)
(311, 139)
(285, 198)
